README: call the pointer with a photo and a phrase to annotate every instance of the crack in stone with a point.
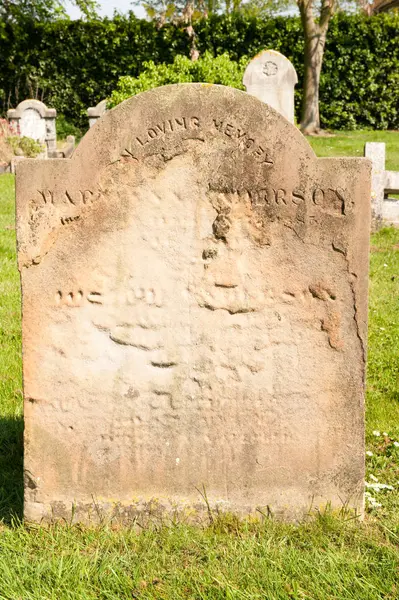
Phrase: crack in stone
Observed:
(355, 314)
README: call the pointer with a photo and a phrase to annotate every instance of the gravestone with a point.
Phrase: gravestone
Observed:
(96, 112)
(194, 289)
(375, 151)
(33, 119)
(384, 210)
(271, 77)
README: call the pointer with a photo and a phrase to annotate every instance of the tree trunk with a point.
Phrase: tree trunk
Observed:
(315, 38)
(310, 117)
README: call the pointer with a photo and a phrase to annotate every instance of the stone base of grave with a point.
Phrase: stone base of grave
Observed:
(196, 510)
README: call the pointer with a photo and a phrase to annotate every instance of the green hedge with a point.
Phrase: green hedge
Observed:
(72, 65)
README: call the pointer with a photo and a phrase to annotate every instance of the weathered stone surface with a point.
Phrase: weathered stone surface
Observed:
(194, 313)
(33, 119)
(272, 78)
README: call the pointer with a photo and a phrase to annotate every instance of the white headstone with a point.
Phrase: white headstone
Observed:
(376, 152)
(390, 206)
(33, 119)
(32, 125)
(271, 77)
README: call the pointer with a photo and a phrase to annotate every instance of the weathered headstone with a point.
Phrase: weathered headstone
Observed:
(272, 78)
(96, 112)
(194, 314)
(33, 119)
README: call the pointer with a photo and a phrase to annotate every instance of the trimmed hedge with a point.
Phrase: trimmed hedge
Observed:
(72, 65)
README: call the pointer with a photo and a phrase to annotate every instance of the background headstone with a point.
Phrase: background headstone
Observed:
(66, 149)
(385, 210)
(33, 119)
(96, 112)
(271, 77)
(375, 151)
(194, 285)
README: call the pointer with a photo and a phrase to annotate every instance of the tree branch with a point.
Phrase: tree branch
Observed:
(327, 10)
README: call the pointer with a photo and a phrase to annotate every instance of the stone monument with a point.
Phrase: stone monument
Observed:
(33, 119)
(384, 210)
(271, 77)
(96, 112)
(194, 301)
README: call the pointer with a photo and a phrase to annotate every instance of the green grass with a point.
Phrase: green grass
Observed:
(11, 424)
(351, 143)
(329, 557)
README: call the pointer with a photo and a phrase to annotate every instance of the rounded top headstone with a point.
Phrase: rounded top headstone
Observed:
(32, 104)
(243, 120)
(192, 286)
(271, 77)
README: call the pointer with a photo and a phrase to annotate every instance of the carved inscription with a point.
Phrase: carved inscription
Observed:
(270, 68)
(66, 220)
(72, 299)
(130, 294)
(48, 200)
(245, 141)
(329, 200)
(166, 127)
(279, 197)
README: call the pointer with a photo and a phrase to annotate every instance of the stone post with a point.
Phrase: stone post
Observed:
(375, 151)
(96, 112)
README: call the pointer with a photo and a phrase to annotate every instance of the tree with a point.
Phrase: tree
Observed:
(315, 27)
(315, 18)
(42, 10)
(378, 6)
(265, 9)
(163, 11)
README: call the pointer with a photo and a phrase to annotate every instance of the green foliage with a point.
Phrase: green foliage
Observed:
(72, 65)
(24, 146)
(19, 11)
(265, 9)
(163, 12)
(359, 84)
(220, 70)
(66, 127)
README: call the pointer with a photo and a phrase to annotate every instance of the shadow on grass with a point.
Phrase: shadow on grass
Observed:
(11, 468)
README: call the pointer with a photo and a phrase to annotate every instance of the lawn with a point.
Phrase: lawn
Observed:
(351, 143)
(327, 557)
